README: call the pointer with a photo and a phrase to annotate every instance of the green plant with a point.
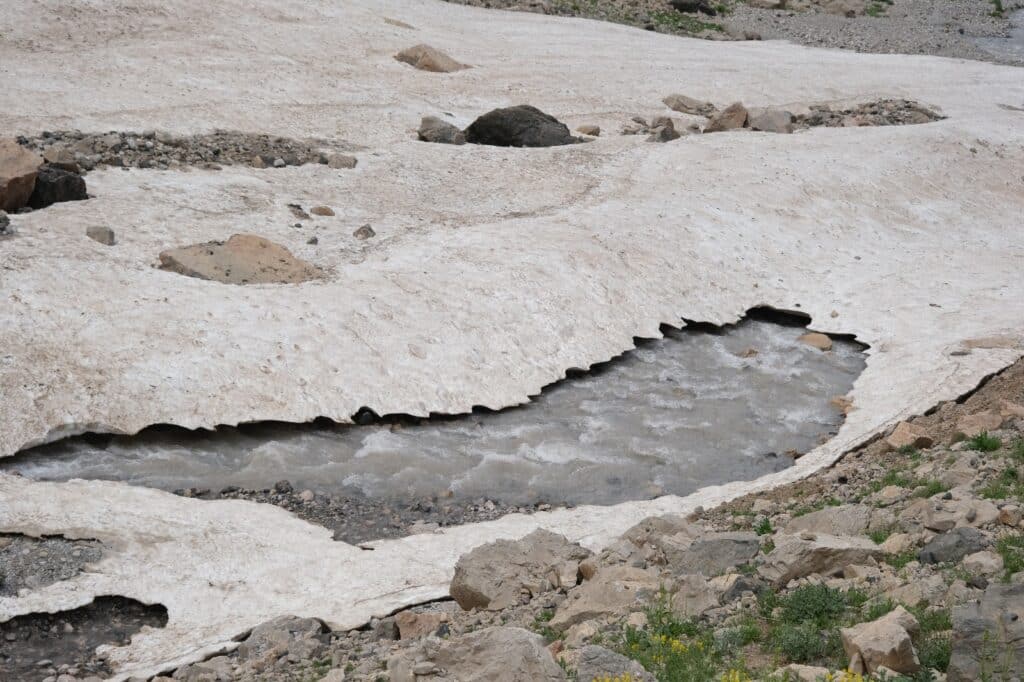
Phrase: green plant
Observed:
(1017, 451)
(878, 609)
(1011, 548)
(764, 527)
(880, 535)
(900, 560)
(930, 487)
(673, 649)
(984, 442)
(800, 643)
(1006, 486)
(541, 627)
(997, 8)
(876, 9)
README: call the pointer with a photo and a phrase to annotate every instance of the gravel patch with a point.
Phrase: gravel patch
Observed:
(32, 563)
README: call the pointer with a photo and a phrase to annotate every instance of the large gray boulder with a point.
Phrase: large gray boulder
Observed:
(714, 553)
(847, 519)
(988, 636)
(598, 663)
(495, 576)
(497, 654)
(953, 546)
(798, 556)
(519, 126)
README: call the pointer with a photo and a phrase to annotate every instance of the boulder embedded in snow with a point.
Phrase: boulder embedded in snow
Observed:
(427, 58)
(770, 120)
(54, 185)
(689, 105)
(433, 129)
(242, 259)
(519, 126)
(494, 576)
(18, 169)
(732, 117)
(816, 340)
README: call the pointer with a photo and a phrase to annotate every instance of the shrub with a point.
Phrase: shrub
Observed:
(984, 442)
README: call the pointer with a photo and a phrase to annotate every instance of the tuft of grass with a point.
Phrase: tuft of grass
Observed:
(984, 442)
(881, 535)
(997, 8)
(801, 642)
(682, 23)
(1007, 485)
(764, 527)
(900, 560)
(1011, 548)
(1017, 451)
(816, 604)
(930, 487)
(541, 627)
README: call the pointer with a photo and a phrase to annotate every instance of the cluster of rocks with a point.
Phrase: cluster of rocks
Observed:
(29, 181)
(915, 523)
(31, 563)
(356, 518)
(78, 151)
(518, 126)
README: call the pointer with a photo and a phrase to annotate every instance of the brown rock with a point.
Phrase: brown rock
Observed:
(689, 105)
(1009, 409)
(62, 158)
(973, 424)
(732, 117)
(427, 58)
(242, 259)
(18, 169)
(908, 435)
(412, 625)
(816, 340)
(433, 129)
(322, 211)
(883, 642)
(615, 590)
(593, 131)
(364, 232)
(341, 161)
(101, 234)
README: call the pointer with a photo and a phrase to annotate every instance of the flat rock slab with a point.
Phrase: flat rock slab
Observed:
(242, 259)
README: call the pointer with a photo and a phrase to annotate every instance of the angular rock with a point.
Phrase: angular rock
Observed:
(797, 556)
(101, 234)
(816, 340)
(519, 126)
(18, 169)
(771, 121)
(953, 546)
(412, 624)
(496, 654)
(695, 594)
(973, 424)
(983, 563)
(301, 638)
(847, 519)
(908, 435)
(364, 232)
(988, 635)
(732, 117)
(882, 642)
(494, 576)
(715, 553)
(61, 157)
(54, 185)
(341, 161)
(598, 663)
(689, 105)
(433, 129)
(427, 58)
(615, 590)
(941, 515)
(242, 259)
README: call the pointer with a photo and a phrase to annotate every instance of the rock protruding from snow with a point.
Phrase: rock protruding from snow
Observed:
(427, 58)
(497, 575)
(519, 126)
(433, 129)
(18, 170)
(242, 259)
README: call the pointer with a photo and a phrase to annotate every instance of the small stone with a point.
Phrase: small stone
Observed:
(341, 161)
(322, 211)
(279, 163)
(591, 130)
(101, 234)
(257, 162)
(816, 340)
(307, 496)
(433, 129)
(313, 240)
(5, 225)
(364, 232)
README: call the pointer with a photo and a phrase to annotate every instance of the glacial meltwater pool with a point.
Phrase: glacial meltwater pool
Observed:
(692, 409)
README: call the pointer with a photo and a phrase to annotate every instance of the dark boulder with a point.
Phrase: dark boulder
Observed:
(702, 6)
(54, 185)
(953, 546)
(519, 126)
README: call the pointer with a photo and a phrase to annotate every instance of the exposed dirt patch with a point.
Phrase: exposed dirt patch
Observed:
(27, 562)
(41, 645)
(242, 259)
(163, 150)
(883, 112)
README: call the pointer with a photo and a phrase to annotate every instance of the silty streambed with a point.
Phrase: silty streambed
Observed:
(692, 409)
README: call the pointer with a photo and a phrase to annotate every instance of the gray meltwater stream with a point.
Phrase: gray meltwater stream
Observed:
(676, 414)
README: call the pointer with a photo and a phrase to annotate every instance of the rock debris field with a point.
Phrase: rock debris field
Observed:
(429, 342)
